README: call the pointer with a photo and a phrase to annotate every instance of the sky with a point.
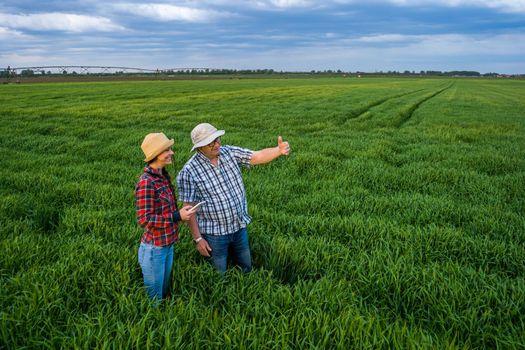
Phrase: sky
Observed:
(284, 35)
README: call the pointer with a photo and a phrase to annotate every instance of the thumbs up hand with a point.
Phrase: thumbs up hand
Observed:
(284, 147)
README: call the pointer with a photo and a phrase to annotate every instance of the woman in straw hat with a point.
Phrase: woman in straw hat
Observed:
(158, 215)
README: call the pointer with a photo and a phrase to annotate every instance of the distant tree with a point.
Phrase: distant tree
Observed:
(463, 73)
(27, 73)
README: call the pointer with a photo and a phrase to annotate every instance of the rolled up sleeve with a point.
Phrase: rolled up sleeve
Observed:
(186, 186)
(242, 156)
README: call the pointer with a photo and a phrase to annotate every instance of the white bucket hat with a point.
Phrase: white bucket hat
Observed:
(203, 134)
(154, 144)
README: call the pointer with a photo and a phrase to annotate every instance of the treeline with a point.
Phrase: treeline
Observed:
(464, 73)
(7, 73)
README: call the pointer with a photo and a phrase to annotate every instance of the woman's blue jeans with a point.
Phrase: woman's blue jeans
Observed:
(156, 263)
(239, 246)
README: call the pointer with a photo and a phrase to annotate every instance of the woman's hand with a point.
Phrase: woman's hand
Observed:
(185, 213)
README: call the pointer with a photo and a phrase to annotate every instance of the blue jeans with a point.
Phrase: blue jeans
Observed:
(156, 263)
(238, 244)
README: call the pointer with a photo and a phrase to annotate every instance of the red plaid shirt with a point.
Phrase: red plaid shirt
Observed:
(155, 203)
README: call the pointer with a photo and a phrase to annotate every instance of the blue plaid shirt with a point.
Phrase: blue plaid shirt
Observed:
(226, 208)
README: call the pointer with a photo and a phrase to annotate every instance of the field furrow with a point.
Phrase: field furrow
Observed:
(406, 114)
(361, 111)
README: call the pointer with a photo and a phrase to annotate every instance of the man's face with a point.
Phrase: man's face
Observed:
(212, 149)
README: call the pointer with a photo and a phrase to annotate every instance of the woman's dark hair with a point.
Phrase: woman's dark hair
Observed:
(168, 177)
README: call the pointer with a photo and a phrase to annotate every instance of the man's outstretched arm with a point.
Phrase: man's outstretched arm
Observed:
(268, 154)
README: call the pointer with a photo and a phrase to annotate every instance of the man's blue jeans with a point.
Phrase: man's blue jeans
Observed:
(239, 246)
(156, 263)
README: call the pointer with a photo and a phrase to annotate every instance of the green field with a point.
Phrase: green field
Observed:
(398, 221)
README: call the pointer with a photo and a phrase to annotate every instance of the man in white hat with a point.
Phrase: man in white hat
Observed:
(213, 176)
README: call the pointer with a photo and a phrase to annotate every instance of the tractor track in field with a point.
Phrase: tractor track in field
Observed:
(405, 116)
(361, 111)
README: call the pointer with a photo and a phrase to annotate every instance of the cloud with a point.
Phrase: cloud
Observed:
(460, 45)
(511, 6)
(291, 3)
(20, 60)
(441, 44)
(166, 12)
(59, 21)
(444, 52)
(9, 34)
(484, 53)
(277, 34)
(263, 4)
(386, 38)
(507, 6)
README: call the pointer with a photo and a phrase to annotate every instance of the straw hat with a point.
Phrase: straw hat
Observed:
(203, 134)
(154, 144)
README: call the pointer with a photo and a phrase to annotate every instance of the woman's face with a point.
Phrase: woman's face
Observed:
(165, 158)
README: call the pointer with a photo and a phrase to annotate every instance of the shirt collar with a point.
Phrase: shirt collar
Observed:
(153, 171)
(205, 159)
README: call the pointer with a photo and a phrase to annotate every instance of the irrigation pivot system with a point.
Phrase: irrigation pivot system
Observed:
(11, 72)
